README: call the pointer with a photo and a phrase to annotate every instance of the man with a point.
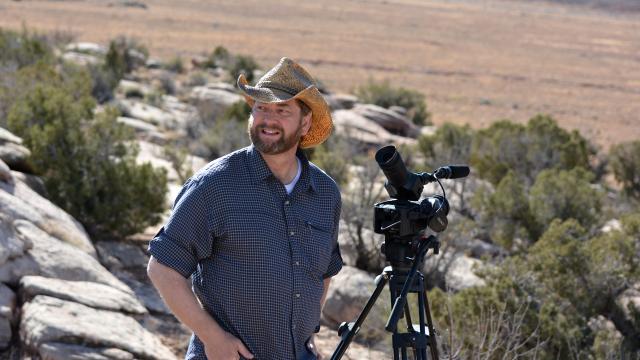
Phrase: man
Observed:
(256, 230)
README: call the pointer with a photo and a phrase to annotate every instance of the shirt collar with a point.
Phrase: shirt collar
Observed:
(260, 171)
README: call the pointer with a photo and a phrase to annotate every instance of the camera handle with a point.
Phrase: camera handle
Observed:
(416, 338)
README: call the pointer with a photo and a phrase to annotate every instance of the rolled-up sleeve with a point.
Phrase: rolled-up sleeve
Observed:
(335, 264)
(186, 237)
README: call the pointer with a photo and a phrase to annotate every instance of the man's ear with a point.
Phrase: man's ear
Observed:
(306, 123)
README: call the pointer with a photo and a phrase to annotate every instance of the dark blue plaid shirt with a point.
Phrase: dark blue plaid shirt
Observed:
(257, 256)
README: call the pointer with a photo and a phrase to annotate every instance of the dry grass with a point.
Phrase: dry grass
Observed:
(476, 61)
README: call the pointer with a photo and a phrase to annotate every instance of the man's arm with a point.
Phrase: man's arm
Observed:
(326, 284)
(177, 294)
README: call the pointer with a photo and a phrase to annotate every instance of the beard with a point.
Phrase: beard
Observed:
(279, 146)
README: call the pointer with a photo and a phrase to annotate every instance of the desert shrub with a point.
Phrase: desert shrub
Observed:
(175, 64)
(383, 94)
(243, 64)
(527, 150)
(87, 164)
(219, 57)
(22, 49)
(333, 156)
(625, 163)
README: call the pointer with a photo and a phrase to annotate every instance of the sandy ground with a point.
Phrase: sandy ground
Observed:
(475, 60)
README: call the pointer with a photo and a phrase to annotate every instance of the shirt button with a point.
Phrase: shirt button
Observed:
(287, 202)
(292, 233)
(297, 263)
(297, 295)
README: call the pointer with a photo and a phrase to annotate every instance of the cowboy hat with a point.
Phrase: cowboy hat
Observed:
(286, 81)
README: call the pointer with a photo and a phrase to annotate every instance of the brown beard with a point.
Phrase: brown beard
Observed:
(283, 144)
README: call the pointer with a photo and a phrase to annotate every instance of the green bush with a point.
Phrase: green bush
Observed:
(451, 144)
(219, 57)
(22, 49)
(527, 150)
(175, 64)
(383, 94)
(330, 157)
(88, 165)
(243, 65)
(625, 163)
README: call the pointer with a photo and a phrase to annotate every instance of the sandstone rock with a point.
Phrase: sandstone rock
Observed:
(127, 87)
(5, 173)
(21, 202)
(32, 181)
(148, 113)
(62, 351)
(81, 59)
(87, 48)
(15, 156)
(392, 121)
(357, 127)
(117, 255)
(7, 309)
(7, 136)
(11, 245)
(53, 258)
(612, 225)
(145, 292)
(460, 274)
(46, 320)
(347, 238)
(153, 154)
(629, 302)
(213, 100)
(97, 296)
(340, 101)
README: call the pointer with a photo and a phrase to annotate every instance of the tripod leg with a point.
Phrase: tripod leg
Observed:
(432, 333)
(348, 331)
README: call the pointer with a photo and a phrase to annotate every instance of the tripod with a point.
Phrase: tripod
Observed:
(401, 283)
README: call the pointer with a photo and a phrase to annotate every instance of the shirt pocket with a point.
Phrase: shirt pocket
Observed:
(316, 246)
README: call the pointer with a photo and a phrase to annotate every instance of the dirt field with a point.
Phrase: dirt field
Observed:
(476, 61)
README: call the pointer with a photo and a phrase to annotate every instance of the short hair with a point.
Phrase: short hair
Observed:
(304, 108)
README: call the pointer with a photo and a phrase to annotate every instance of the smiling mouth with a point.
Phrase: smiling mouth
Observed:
(270, 132)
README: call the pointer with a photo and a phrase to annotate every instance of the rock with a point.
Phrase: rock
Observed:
(117, 255)
(62, 351)
(81, 59)
(127, 87)
(7, 309)
(148, 113)
(460, 274)
(32, 181)
(340, 101)
(348, 249)
(5, 173)
(7, 136)
(392, 121)
(53, 258)
(154, 155)
(21, 202)
(629, 302)
(186, 115)
(11, 245)
(87, 48)
(400, 110)
(479, 249)
(97, 296)
(213, 101)
(46, 320)
(357, 127)
(611, 225)
(15, 156)
(145, 292)
(144, 130)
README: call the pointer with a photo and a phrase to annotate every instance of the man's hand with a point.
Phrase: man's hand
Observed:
(225, 347)
(312, 347)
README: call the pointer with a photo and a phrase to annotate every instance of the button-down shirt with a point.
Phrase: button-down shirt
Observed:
(257, 255)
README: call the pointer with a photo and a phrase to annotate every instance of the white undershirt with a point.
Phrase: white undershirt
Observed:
(289, 187)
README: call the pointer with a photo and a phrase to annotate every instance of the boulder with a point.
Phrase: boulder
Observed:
(144, 130)
(128, 87)
(47, 320)
(95, 295)
(145, 292)
(53, 258)
(149, 113)
(629, 302)
(213, 99)
(392, 121)
(357, 127)
(5, 173)
(347, 238)
(611, 225)
(15, 156)
(7, 309)
(11, 245)
(21, 202)
(461, 273)
(62, 351)
(7, 136)
(116, 255)
(34, 182)
(81, 59)
(87, 48)
(340, 101)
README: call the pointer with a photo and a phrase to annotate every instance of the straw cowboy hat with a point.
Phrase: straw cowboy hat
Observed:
(287, 81)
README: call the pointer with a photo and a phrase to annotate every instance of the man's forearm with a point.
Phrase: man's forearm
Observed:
(176, 293)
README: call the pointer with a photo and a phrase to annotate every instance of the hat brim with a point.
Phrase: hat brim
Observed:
(321, 122)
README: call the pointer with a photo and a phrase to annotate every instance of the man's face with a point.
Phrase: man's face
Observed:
(276, 128)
